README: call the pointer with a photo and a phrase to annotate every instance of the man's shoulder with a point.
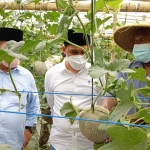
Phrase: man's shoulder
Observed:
(24, 70)
(55, 68)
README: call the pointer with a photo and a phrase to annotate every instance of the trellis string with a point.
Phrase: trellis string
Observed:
(76, 118)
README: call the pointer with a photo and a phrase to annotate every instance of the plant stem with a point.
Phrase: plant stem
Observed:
(100, 82)
(100, 92)
(75, 45)
(86, 38)
(58, 7)
(16, 92)
(97, 96)
(107, 10)
(105, 89)
(143, 103)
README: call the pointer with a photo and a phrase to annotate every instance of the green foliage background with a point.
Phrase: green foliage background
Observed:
(41, 27)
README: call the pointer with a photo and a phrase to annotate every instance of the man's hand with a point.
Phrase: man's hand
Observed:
(27, 137)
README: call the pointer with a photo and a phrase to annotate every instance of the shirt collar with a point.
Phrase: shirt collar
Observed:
(63, 67)
(19, 69)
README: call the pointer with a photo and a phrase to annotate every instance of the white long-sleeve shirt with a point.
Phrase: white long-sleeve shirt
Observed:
(59, 79)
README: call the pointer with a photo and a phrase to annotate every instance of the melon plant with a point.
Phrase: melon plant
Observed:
(89, 120)
(90, 128)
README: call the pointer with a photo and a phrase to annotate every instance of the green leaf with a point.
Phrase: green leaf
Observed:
(138, 74)
(65, 23)
(111, 68)
(69, 11)
(99, 6)
(96, 146)
(29, 45)
(61, 37)
(25, 15)
(19, 56)
(96, 71)
(11, 52)
(125, 104)
(5, 14)
(143, 114)
(126, 139)
(68, 110)
(99, 22)
(147, 81)
(62, 23)
(118, 65)
(52, 29)
(127, 71)
(14, 46)
(52, 16)
(62, 4)
(145, 91)
(40, 46)
(112, 85)
(114, 4)
(99, 57)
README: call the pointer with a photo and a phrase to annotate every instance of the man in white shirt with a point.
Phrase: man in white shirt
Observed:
(71, 77)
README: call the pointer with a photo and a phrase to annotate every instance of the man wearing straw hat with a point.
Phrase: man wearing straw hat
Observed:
(15, 128)
(134, 39)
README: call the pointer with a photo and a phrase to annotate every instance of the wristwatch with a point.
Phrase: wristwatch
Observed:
(31, 129)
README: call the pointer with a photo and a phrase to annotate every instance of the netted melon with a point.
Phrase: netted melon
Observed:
(90, 129)
(39, 68)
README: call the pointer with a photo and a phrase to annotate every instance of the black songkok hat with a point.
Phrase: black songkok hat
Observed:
(77, 38)
(7, 34)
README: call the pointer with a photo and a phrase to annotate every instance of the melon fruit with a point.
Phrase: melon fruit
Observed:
(39, 68)
(90, 129)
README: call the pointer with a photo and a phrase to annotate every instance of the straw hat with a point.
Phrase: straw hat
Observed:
(124, 36)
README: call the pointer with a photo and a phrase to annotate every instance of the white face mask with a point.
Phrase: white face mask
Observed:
(77, 62)
(13, 64)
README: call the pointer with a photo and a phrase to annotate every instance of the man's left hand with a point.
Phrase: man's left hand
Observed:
(27, 137)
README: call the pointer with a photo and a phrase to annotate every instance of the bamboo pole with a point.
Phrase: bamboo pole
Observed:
(135, 6)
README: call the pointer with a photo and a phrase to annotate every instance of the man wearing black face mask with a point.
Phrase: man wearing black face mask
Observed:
(135, 39)
(71, 77)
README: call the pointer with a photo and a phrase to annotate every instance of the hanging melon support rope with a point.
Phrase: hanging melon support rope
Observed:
(92, 43)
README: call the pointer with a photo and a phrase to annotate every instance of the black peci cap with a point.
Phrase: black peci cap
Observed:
(7, 34)
(77, 38)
